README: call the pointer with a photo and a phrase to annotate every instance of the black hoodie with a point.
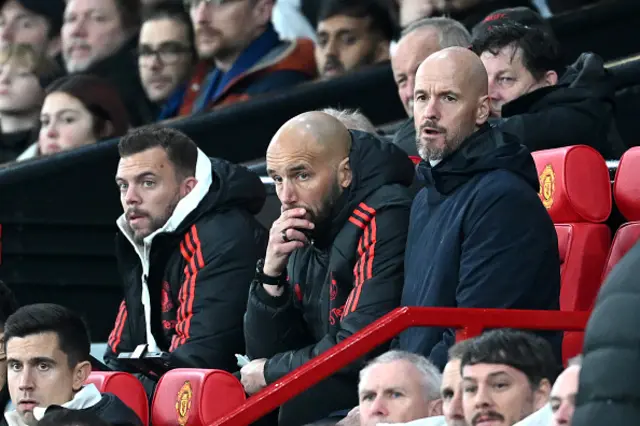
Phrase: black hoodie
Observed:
(198, 278)
(350, 276)
(479, 237)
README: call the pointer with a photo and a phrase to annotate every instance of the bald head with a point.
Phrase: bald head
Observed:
(450, 101)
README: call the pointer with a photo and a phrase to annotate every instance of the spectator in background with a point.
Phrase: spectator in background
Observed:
(33, 22)
(241, 55)
(478, 218)
(78, 110)
(564, 392)
(522, 15)
(8, 305)
(399, 387)
(352, 34)
(344, 197)
(451, 390)
(47, 349)
(99, 37)
(418, 41)
(521, 62)
(506, 376)
(352, 119)
(187, 247)
(166, 55)
(21, 98)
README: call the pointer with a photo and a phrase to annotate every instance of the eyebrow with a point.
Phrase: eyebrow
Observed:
(36, 360)
(137, 177)
(291, 169)
(490, 376)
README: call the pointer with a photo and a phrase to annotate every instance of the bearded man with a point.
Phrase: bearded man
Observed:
(335, 257)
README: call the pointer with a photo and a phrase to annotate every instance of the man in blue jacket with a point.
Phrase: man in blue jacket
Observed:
(479, 237)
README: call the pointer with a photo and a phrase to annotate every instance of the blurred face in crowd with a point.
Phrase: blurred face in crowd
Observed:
(307, 172)
(412, 49)
(39, 375)
(224, 28)
(450, 101)
(150, 190)
(65, 123)
(499, 395)
(346, 43)
(394, 392)
(164, 57)
(3, 360)
(20, 91)
(509, 78)
(451, 392)
(21, 26)
(92, 31)
(563, 396)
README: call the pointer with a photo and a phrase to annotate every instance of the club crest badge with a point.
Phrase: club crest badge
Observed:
(183, 403)
(547, 186)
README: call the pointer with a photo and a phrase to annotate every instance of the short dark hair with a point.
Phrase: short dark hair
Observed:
(524, 351)
(171, 9)
(72, 332)
(180, 149)
(540, 50)
(459, 349)
(58, 416)
(380, 12)
(8, 303)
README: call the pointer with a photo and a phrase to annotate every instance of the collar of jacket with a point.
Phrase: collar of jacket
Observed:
(172, 105)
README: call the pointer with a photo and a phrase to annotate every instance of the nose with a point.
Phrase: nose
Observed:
(7, 33)
(78, 28)
(564, 414)
(156, 63)
(287, 193)
(131, 197)
(5, 75)
(26, 380)
(431, 111)
(483, 398)
(199, 15)
(379, 407)
(494, 91)
(457, 412)
(331, 48)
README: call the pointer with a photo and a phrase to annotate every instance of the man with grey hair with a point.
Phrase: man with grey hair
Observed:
(419, 40)
(352, 119)
(399, 387)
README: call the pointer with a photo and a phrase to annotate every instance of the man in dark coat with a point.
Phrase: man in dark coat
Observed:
(479, 237)
(334, 262)
(187, 250)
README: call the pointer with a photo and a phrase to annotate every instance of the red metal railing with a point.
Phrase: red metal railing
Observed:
(469, 322)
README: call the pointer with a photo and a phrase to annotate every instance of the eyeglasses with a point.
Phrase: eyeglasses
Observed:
(168, 53)
(196, 3)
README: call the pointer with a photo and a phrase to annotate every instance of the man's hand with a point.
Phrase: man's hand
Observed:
(252, 376)
(352, 419)
(285, 237)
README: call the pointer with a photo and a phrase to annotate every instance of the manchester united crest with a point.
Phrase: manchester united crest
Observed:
(547, 186)
(183, 403)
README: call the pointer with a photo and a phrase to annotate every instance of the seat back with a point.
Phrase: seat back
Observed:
(126, 387)
(626, 192)
(195, 397)
(575, 189)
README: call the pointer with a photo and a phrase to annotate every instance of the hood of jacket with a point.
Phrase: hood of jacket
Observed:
(587, 78)
(374, 163)
(486, 150)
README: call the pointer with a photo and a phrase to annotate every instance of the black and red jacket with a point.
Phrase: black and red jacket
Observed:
(197, 274)
(350, 276)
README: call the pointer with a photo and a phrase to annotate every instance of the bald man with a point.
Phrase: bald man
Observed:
(479, 236)
(334, 260)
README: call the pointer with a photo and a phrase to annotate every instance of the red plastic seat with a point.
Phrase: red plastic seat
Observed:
(195, 397)
(126, 387)
(576, 190)
(626, 192)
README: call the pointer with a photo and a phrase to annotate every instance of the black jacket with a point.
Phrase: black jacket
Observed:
(199, 274)
(578, 110)
(479, 237)
(608, 392)
(350, 276)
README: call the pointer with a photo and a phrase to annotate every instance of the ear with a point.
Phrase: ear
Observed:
(54, 47)
(106, 132)
(435, 408)
(551, 78)
(345, 174)
(187, 186)
(81, 374)
(262, 11)
(541, 395)
(382, 51)
(483, 111)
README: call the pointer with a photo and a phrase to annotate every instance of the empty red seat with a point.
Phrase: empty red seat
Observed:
(126, 387)
(576, 190)
(626, 192)
(195, 397)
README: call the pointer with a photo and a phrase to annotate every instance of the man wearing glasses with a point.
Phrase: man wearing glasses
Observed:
(166, 55)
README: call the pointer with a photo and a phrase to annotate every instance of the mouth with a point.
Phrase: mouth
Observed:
(431, 132)
(487, 421)
(332, 69)
(27, 404)
(80, 50)
(135, 219)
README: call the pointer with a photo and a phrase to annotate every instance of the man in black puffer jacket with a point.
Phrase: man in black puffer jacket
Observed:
(334, 262)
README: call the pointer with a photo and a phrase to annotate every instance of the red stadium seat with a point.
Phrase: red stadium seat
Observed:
(576, 190)
(195, 397)
(626, 192)
(126, 387)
